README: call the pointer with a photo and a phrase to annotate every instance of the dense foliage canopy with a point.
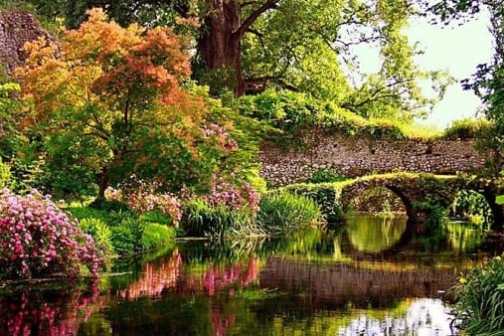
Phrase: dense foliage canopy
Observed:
(308, 46)
(107, 102)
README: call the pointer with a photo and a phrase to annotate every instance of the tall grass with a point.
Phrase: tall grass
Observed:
(203, 220)
(157, 237)
(467, 128)
(284, 213)
(101, 234)
(481, 300)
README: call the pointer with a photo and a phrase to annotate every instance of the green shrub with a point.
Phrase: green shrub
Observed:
(156, 217)
(157, 236)
(125, 232)
(195, 217)
(127, 236)
(200, 219)
(5, 174)
(123, 240)
(294, 111)
(287, 213)
(480, 299)
(468, 128)
(325, 195)
(499, 200)
(109, 217)
(325, 175)
(472, 206)
(101, 234)
(84, 212)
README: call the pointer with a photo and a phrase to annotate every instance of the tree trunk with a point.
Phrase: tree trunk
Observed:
(220, 43)
(103, 183)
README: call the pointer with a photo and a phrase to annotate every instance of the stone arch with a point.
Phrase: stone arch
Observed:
(352, 191)
(490, 191)
(377, 199)
(412, 188)
(468, 201)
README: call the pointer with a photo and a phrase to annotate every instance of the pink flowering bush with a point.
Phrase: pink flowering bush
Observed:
(223, 193)
(142, 197)
(220, 136)
(38, 239)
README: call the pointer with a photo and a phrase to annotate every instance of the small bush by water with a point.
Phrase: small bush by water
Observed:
(325, 196)
(480, 299)
(286, 213)
(202, 219)
(157, 237)
(119, 230)
(472, 206)
(101, 234)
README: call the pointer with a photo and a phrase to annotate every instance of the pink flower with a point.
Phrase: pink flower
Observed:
(57, 247)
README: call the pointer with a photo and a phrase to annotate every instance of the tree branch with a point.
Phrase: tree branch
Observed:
(249, 21)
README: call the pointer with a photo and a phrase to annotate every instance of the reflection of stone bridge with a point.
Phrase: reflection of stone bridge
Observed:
(411, 188)
(337, 284)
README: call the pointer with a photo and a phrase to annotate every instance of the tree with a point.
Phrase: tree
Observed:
(488, 80)
(298, 45)
(250, 44)
(110, 100)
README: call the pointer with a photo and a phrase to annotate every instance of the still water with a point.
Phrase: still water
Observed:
(361, 280)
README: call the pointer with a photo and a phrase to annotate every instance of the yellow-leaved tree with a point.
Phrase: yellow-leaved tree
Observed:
(108, 102)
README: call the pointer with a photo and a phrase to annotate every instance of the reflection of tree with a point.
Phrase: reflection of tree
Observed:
(373, 234)
(159, 276)
(52, 313)
(463, 237)
(216, 278)
(221, 322)
(155, 278)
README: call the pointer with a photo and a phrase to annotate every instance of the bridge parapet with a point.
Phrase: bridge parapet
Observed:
(412, 188)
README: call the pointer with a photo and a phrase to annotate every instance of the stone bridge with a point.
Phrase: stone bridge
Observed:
(284, 163)
(413, 189)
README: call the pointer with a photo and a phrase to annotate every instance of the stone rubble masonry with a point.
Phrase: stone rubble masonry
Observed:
(282, 165)
(17, 28)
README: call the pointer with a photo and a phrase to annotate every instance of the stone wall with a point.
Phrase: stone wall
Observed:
(284, 164)
(17, 28)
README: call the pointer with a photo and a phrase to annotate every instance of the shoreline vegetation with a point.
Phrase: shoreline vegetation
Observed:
(123, 133)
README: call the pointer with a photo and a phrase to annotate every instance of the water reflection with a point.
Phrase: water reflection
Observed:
(464, 237)
(156, 277)
(422, 317)
(373, 234)
(335, 283)
(50, 312)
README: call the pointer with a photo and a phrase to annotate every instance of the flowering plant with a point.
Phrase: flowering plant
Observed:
(221, 136)
(232, 196)
(142, 197)
(37, 238)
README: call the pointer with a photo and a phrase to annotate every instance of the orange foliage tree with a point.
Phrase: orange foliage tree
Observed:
(111, 98)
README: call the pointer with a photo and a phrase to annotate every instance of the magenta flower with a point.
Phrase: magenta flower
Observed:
(38, 239)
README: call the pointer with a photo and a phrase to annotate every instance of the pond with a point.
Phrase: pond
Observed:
(363, 279)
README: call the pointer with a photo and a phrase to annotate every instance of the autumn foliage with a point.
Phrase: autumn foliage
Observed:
(113, 95)
(104, 63)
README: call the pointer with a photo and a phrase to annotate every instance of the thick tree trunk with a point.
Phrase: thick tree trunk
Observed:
(220, 44)
(103, 184)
